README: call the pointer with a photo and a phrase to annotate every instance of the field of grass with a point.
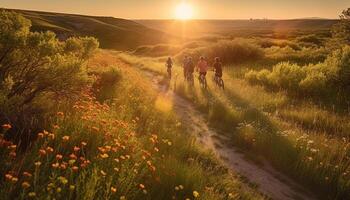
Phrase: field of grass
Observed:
(123, 146)
(78, 122)
(301, 138)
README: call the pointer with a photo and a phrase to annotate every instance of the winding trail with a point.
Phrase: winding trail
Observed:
(269, 181)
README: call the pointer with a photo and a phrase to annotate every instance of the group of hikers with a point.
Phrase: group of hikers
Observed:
(201, 67)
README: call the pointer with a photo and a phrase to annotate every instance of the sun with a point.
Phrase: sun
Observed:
(184, 11)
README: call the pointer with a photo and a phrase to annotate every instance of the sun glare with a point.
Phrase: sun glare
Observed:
(184, 11)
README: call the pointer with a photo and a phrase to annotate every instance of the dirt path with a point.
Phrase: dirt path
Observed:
(268, 180)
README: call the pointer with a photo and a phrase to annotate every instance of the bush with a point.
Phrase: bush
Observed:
(333, 74)
(36, 66)
(230, 51)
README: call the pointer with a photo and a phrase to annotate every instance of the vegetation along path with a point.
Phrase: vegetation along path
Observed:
(268, 180)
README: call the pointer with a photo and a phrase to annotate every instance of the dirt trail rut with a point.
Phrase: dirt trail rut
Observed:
(269, 181)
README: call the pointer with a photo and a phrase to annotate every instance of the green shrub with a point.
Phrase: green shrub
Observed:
(36, 68)
(286, 75)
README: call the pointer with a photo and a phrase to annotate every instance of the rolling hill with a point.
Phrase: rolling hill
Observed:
(113, 33)
(241, 27)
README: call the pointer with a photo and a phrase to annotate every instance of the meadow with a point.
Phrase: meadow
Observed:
(285, 100)
(80, 122)
(110, 138)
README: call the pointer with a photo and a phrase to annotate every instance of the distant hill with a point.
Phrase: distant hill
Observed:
(113, 33)
(240, 27)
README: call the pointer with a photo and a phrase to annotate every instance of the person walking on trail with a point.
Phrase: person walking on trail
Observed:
(185, 66)
(218, 68)
(169, 65)
(202, 66)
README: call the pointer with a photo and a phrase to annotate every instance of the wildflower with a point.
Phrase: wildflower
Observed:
(122, 198)
(75, 168)
(51, 136)
(49, 149)
(58, 190)
(40, 135)
(73, 156)
(60, 114)
(12, 147)
(25, 185)
(59, 156)
(95, 128)
(42, 152)
(177, 188)
(31, 194)
(55, 165)
(71, 162)
(6, 126)
(71, 187)
(83, 143)
(63, 180)
(65, 138)
(14, 179)
(37, 164)
(103, 173)
(113, 189)
(195, 194)
(104, 155)
(56, 126)
(76, 149)
(142, 186)
(169, 143)
(8, 176)
(181, 187)
(27, 174)
(144, 191)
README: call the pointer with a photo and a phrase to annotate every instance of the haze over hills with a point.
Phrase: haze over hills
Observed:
(241, 27)
(112, 33)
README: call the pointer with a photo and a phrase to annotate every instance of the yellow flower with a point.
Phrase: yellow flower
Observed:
(65, 138)
(103, 173)
(31, 194)
(113, 189)
(122, 198)
(25, 185)
(71, 187)
(195, 194)
(181, 187)
(58, 190)
(63, 180)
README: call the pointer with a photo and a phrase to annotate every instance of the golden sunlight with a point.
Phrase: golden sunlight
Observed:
(184, 11)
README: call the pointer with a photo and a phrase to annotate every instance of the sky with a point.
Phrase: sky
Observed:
(201, 9)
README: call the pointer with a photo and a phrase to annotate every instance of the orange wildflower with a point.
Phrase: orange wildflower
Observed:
(25, 185)
(6, 126)
(76, 149)
(113, 189)
(142, 186)
(42, 152)
(59, 156)
(65, 138)
(27, 174)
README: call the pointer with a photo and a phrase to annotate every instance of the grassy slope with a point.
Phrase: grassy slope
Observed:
(113, 33)
(132, 149)
(295, 136)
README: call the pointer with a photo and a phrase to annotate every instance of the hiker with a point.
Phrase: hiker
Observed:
(185, 66)
(169, 65)
(190, 70)
(218, 68)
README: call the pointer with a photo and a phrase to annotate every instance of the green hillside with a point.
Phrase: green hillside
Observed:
(112, 33)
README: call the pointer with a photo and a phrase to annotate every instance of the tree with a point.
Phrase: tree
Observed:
(34, 64)
(341, 30)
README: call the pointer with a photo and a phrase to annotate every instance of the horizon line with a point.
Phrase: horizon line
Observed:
(174, 19)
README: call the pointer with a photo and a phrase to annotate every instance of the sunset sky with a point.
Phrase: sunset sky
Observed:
(200, 9)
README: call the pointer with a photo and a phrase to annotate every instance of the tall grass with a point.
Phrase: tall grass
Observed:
(262, 122)
(122, 148)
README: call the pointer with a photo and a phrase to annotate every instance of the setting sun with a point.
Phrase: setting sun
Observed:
(184, 11)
